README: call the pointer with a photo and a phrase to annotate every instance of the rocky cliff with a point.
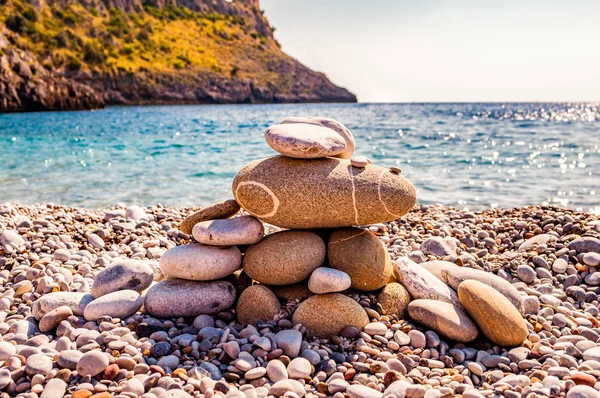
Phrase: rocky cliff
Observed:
(148, 52)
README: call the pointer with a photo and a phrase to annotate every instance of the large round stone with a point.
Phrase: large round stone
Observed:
(495, 315)
(444, 318)
(361, 255)
(76, 301)
(321, 193)
(394, 299)
(284, 257)
(123, 274)
(224, 209)
(304, 141)
(198, 262)
(119, 304)
(257, 303)
(173, 298)
(328, 280)
(325, 315)
(244, 230)
(332, 124)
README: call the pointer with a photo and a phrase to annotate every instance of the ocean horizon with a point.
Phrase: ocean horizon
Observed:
(466, 155)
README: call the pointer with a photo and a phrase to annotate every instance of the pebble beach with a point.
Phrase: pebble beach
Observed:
(550, 255)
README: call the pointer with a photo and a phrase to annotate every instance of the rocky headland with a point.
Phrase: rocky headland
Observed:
(326, 284)
(57, 55)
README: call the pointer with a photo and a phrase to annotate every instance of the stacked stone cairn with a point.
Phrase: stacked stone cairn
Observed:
(304, 237)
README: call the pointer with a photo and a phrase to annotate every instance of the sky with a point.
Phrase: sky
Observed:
(447, 51)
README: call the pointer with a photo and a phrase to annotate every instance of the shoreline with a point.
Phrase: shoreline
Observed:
(213, 355)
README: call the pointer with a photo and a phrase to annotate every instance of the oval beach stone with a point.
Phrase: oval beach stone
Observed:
(444, 318)
(76, 301)
(244, 230)
(422, 284)
(321, 193)
(175, 297)
(394, 299)
(361, 255)
(325, 315)
(328, 280)
(257, 303)
(304, 141)
(120, 304)
(285, 257)
(332, 124)
(495, 315)
(219, 210)
(123, 274)
(198, 262)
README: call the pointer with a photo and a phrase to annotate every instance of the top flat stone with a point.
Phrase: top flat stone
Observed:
(219, 210)
(304, 141)
(331, 124)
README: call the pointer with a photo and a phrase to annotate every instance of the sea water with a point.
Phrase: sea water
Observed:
(470, 156)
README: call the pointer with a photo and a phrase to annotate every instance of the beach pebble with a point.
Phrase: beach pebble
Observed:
(75, 300)
(198, 262)
(422, 284)
(325, 315)
(54, 388)
(331, 124)
(299, 368)
(289, 341)
(362, 256)
(394, 299)
(6, 350)
(215, 211)
(360, 161)
(257, 302)
(583, 392)
(10, 237)
(304, 141)
(526, 273)
(38, 364)
(497, 318)
(92, 363)
(69, 359)
(123, 274)
(120, 304)
(321, 193)
(243, 230)
(592, 259)
(62, 255)
(444, 318)
(52, 318)
(175, 298)
(537, 240)
(360, 391)
(136, 213)
(276, 371)
(328, 280)
(284, 258)
(437, 266)
(439, 247)
(585, 244)
(96, 241)
(559, 265)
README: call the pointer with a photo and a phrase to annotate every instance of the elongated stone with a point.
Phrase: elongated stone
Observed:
(422, 284)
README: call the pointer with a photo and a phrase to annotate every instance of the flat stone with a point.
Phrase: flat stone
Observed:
(444, 318)
(5, 377)
(173, 298)
(585, 245)
(198, 262)
(495, 315)
(394, 299)
(69, 359)
(422, 284)
(537, 240)
(437, 266)
(276, 370)
(328, 280)
(75, 300)
(62, 255)
(583, 392)
(136, 213)
(455, 276)
(592, 259)
(360, 391)
(362, 256)
(592, 354)
(51, 320)
(257, 303)
(215, 211)
(321, 193)
(360, 161)
(289, 341)
(375, 329)
(54, 388)
(123, 274)
(92, 363)
(331, 124)
(119, 304)
(10, 237)
(325, 315)
(6, 350)
(38, 364)
(243, 230)
(304, 141)
(284, 258)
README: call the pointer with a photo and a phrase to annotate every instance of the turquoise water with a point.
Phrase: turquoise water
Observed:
(464, 155)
